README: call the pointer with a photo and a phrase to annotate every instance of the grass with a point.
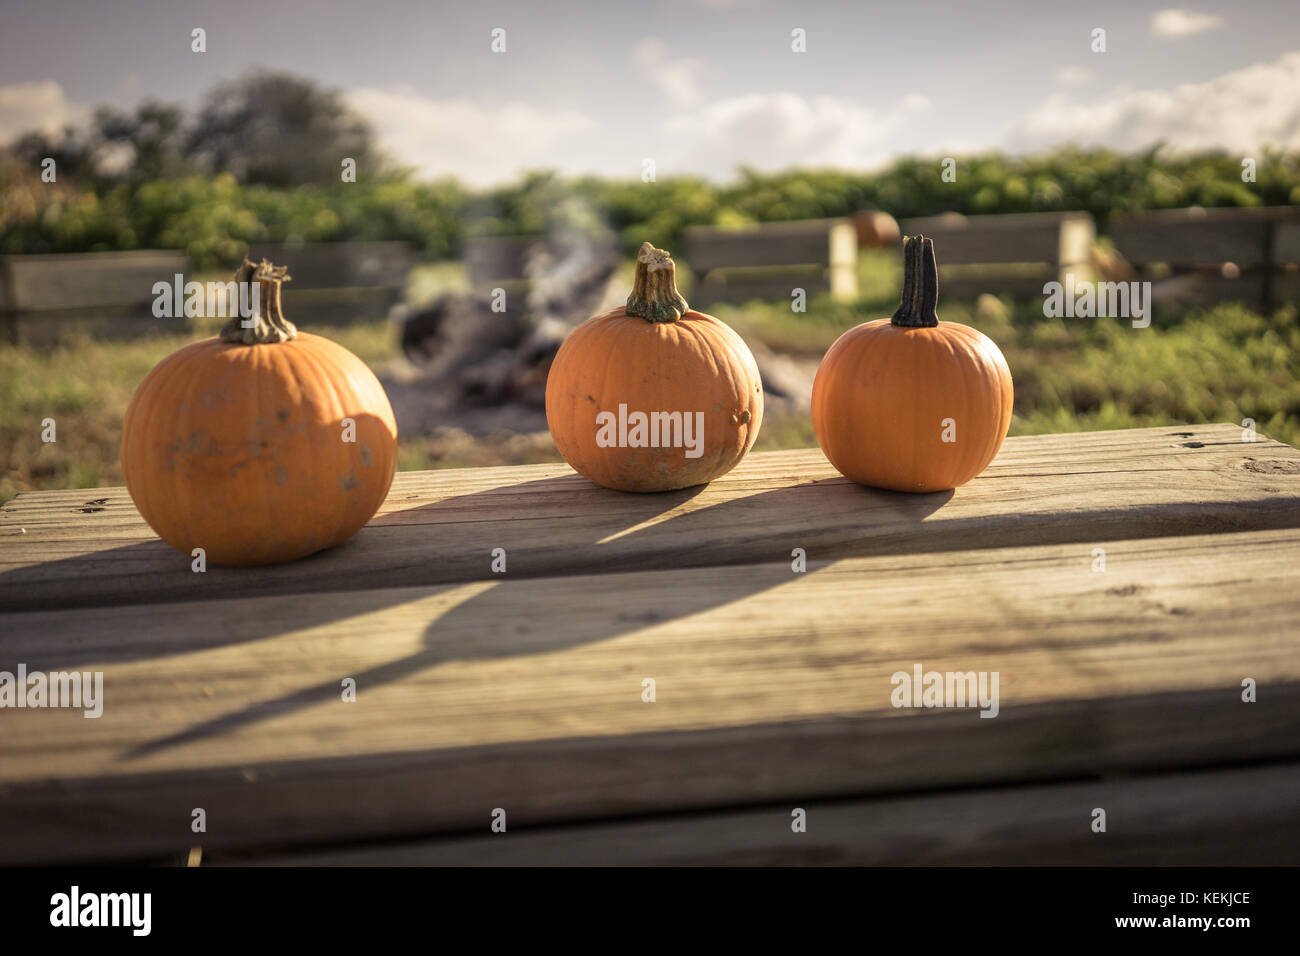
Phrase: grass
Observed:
(1224, 363)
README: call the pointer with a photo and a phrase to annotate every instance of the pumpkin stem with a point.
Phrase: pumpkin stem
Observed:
(268, 324)
(654, 290)
(920, 285)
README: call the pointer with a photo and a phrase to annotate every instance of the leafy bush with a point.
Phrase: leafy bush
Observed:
(213, 217)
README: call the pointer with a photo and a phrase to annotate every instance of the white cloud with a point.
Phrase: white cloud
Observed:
(1183, 23)
(36, 106)
(1238, 111)
(1072, 76)
(780, 130)
(676, 77)
(477, 143)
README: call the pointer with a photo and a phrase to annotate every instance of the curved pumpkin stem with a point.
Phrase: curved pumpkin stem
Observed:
(268, 324)
(654, 290)
(920, 285)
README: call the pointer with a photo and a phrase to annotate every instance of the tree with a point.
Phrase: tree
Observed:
(150, 143)
(280, 130)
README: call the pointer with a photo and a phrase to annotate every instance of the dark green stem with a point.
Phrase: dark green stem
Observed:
(920, 285)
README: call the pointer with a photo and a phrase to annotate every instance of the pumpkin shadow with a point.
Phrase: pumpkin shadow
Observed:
(526, 616)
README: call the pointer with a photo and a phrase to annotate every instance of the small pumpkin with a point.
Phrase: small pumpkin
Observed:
(653, 396)
(875, 229)
(262, 444)
(910, 403)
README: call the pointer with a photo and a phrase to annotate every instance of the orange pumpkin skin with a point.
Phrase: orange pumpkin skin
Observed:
(884, 392)
(239, 449)
(694, 363)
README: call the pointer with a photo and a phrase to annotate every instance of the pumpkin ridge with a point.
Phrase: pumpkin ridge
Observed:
(148, 406)
(728, 338)
(182, 487)
(326, 354)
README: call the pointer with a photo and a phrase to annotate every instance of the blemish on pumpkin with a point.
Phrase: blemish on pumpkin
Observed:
(282, 476)
(348, 482)
(367, 458)
(745, 417)
(282, 415)
(734, 419)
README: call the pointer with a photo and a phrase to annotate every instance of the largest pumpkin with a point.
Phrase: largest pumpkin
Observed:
(262, 444)
(653, 396)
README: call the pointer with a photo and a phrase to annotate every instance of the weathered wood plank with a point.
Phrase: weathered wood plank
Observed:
(742, 285)
(1250, 817)
(527, 694)
(87, 279)
(56, 550)
(1057, 239)
(340, 265)
(768, 260)
(994, 282)
(1195, 236)
(814, 242)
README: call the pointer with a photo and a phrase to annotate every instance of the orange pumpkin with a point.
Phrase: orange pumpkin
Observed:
(876, 229)
(262, 444)
(653, 396)
(912, 403)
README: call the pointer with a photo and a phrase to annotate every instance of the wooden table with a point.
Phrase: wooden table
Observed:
(1119, 689)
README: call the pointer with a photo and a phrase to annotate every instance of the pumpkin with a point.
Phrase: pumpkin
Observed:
(653, 396)
(875, 229)
(910, 403)
(262, 444)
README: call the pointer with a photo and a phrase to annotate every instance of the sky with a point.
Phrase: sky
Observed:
(698, 86)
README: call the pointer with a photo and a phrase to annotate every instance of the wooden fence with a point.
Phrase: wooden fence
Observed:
(1248, 255)
(773, 259)
(44, 298)
(1012, 254)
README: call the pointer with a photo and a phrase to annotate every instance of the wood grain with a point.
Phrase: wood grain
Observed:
(1250, 817)
(526, 693)
(90, 548)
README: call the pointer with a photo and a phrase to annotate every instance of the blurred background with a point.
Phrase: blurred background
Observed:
(415, 166)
